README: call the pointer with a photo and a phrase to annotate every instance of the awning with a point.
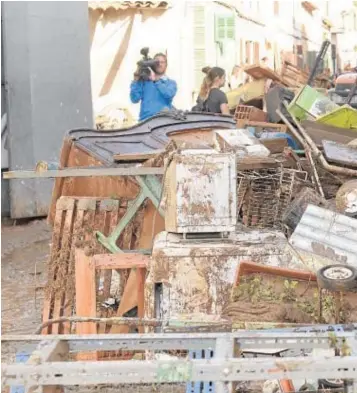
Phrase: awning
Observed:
(124, 5)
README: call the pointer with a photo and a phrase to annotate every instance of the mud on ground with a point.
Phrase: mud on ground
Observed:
(266, 298)
(24, 255)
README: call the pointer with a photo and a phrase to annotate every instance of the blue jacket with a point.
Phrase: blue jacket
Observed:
(154, 96)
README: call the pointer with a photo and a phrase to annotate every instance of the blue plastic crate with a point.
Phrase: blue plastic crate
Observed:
(200, 387)
(21, 357)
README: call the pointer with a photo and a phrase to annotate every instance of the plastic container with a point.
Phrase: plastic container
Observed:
(310, 104)
(344, 117)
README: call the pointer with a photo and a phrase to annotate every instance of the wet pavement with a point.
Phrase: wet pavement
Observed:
(24, 254)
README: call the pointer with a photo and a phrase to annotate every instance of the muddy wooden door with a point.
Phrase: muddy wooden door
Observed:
(47, 76)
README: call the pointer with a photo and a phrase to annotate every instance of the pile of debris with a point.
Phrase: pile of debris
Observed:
(251, 220)
(290, 77)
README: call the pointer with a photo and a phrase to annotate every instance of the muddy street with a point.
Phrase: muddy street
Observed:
(24, 254)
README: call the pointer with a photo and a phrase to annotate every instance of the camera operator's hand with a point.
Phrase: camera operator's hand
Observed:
(152, 75)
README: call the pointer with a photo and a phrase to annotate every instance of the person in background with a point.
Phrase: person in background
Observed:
(211, 98)
(236, 78)
(155, 94)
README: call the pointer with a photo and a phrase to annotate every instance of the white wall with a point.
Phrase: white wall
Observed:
(114, 57)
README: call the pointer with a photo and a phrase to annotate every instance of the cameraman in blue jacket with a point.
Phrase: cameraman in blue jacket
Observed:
(156, 93)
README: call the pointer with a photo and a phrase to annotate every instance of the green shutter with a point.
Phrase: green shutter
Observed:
(199, 44)
(220, 28)
(231, 33)
(224, 28)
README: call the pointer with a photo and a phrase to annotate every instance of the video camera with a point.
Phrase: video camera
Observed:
(145, 64)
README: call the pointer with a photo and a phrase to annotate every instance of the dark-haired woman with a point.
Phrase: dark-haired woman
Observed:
(211, 98)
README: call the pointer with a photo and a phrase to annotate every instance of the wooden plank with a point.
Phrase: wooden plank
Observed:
(120, 261)
(137, 156)
(63, 263)
(257, 163)
(47, 304)
(84, 172)
(140, 277)
(69, 293)
(246, 268)
(100, 225)
(85, 298)
(85, 292)
(113, 222)
(259, 72)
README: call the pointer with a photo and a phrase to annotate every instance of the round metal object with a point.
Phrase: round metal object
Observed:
(338, 273)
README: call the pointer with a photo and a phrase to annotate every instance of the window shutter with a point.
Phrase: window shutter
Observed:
(230, 28)
(224, 28)
(199, 43)
(220, 28)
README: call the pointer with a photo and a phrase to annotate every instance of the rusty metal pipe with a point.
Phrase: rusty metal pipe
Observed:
(316, 152)
(291, 128)
(314, 175)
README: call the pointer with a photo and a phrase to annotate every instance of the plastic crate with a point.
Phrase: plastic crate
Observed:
(201, 387)
(342, 117)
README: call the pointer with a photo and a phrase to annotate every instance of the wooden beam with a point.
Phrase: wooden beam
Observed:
(140, 280)
(85, 292)
(84, 172)
(85, 297)
(120, 261)
(137, 156)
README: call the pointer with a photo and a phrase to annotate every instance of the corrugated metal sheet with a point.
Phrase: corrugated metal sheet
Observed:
(323, 236)
(124, 5)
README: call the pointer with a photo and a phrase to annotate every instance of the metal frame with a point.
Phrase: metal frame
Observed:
(84, 172)
(151, 188)
(47, 366)
(139, 372)
(165, 341)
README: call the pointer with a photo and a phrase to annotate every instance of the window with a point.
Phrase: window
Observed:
(224, 28)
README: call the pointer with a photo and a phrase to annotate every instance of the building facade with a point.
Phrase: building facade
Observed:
(195, 34)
